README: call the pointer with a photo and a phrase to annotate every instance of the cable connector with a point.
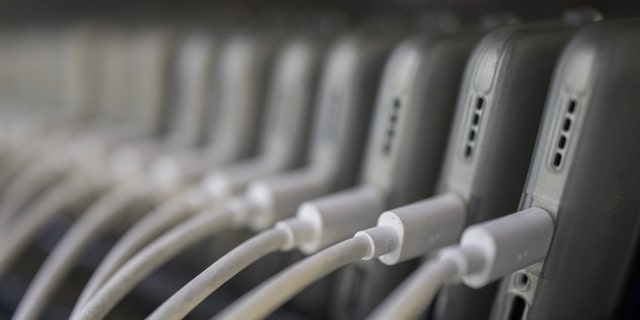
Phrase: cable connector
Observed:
(278, 198)
(508, 244)
(416, 229)
(487, 252)
(233, 179)
(336, 217)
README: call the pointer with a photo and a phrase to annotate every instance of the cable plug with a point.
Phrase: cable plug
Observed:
(487, 252)
(328, 220)
(507, 244)
(416, 229)
(278, 198)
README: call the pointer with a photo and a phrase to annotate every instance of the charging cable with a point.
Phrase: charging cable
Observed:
(400, 234)
(155, 254)
(43, 172)
(26, 185)
(263, 203)
(87, 181)
(72, 245)
(215, 189)
(36, 216)
(487, 252)
(130, 188)
(170, 213)
(104, 215)
(318, 224)
(94, 223)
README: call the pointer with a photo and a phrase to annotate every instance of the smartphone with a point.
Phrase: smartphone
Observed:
(490, 147)
(585, 173)
(350, 74)
(413, 114)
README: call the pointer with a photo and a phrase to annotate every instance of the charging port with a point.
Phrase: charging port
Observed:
(518, 307)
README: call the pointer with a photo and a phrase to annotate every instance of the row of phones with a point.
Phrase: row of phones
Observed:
(523, 115)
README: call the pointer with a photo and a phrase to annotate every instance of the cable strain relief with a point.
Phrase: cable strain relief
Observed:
(195, 198)
(278, 197)
(382, 240)
(508, 244)
(424, 226)
(298, 231)
(468, 259)
(216, 185)
(338, 216)
(241, 210)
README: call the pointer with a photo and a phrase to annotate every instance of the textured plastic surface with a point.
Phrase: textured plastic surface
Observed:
(496, 123)
(412, 121)
(593, 193)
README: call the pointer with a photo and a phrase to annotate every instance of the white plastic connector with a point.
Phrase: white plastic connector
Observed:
(487, 252)
(508, 244)
(234, 178)
(338, 216)
(382, 240)
(319, 223)
(422, 227)
(167, 172)
(180, 168)
(297, 231)
(127, 161)
(242, 210)
(278, 198)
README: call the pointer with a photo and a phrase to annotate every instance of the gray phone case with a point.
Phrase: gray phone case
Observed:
(407, 142)
(585, 173)
(492, 141)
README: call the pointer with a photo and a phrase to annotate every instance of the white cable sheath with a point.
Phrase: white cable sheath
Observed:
(273, 293)
(187, 298)
(167, 215)
(415, 293)
(24, 187)
(12, 166)
(38, 215)
(318, 223)
(153, 256)
(99, 218)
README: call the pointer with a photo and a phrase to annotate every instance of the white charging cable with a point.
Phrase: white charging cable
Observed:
(215, 189)
(407, 231)
(37, 215)
(94, 223)
(264, 202)
(319, 223)
(154, 255)
(26, 185)
(58, 264)
(170, 213)
(487, 252)
(43, 172)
